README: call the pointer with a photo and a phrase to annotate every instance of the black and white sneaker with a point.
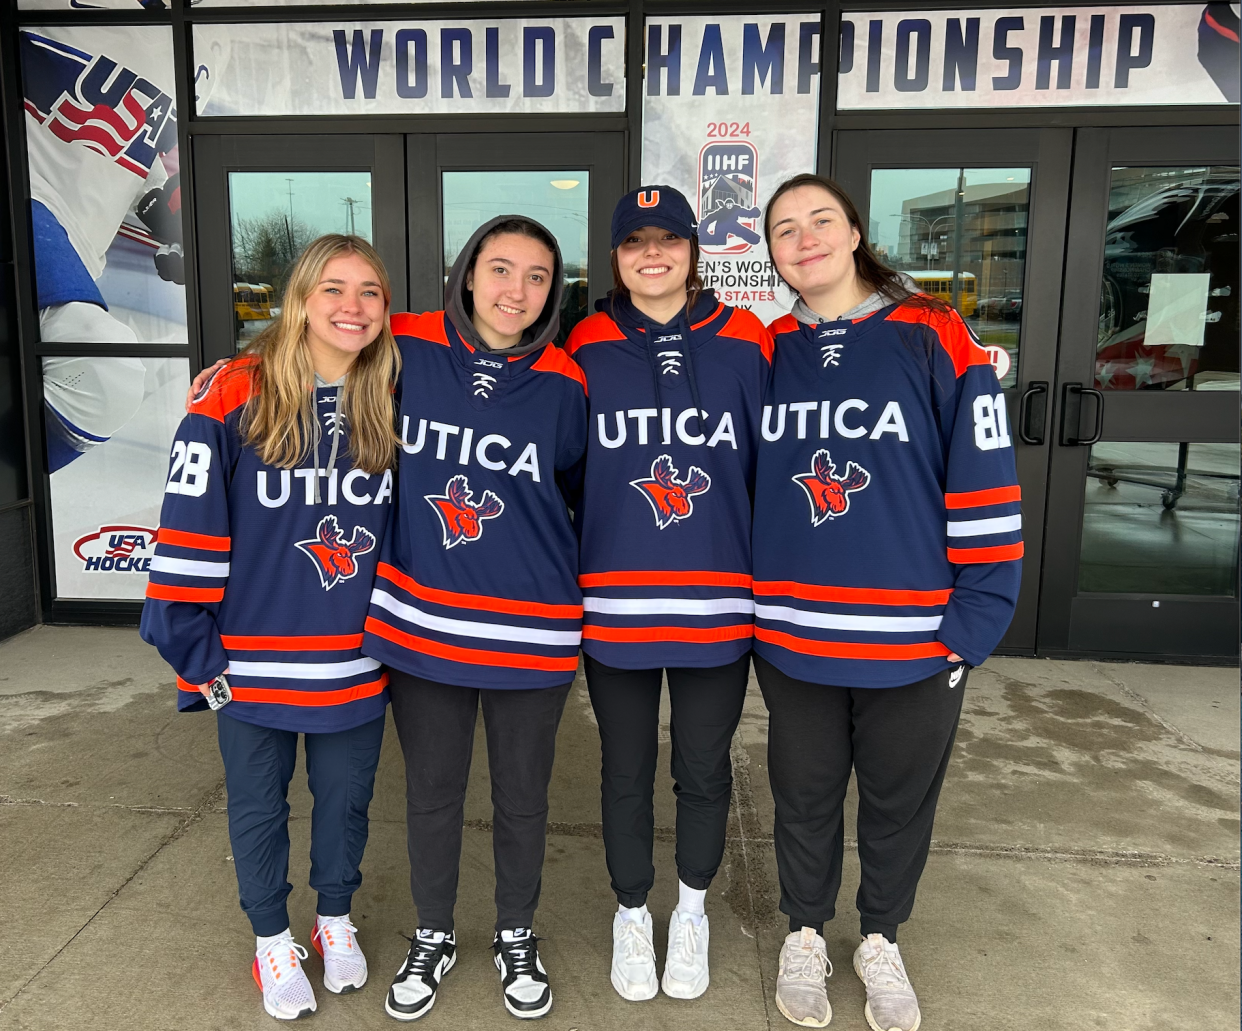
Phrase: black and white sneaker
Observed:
(523, 980)
(413, 992)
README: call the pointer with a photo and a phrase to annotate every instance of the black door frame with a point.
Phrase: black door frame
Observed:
(1205, 629)
(1047, 152)
(601, 154)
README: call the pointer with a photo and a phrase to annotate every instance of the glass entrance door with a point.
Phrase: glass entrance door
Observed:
(569, 182)
(978, 219)
(1143, 489)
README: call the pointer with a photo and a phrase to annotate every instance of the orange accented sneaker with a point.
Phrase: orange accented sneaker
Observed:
(344, 965)
(277, 970)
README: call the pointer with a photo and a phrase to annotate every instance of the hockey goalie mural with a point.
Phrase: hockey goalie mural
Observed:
(105, 208)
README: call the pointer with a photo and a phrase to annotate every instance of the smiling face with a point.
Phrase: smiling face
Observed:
(510, 281)
(812, 241)
(344, 312)
(654, 264)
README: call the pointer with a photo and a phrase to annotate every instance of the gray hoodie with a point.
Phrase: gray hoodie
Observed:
(458, 305)
(902, 288)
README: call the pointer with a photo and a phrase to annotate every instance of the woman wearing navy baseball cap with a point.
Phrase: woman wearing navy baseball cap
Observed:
(675, 383)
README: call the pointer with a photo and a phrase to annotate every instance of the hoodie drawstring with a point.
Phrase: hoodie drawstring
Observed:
(682, 326)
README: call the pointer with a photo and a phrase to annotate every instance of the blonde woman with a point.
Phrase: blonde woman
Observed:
(278, 496)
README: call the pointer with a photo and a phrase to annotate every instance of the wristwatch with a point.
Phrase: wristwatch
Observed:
(217, 692)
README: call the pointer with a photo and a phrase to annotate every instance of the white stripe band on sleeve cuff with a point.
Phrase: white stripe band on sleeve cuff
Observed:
(841, 621)
(667, 606)
(189, 567)
(979, 527)
(469, 628)
(303, 670)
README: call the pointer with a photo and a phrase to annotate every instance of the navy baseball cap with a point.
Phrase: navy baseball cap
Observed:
(661, 206)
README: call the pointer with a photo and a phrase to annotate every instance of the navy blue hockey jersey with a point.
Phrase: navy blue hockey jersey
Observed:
(253, 574)
(666, 509)
(478, 581)
(887, 520)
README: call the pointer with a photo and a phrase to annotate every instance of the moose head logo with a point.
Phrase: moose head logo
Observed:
(461, 518)
(334, 558)
(829, 493)
(671, 499)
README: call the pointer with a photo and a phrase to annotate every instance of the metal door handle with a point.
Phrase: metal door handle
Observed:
(1072, 439)
(1026, 410)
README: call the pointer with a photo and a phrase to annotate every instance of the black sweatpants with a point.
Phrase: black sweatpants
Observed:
(435, 723)
(706, 707)
(898, 741)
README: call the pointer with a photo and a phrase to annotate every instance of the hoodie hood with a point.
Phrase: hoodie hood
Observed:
(457, 305)
(903, 287)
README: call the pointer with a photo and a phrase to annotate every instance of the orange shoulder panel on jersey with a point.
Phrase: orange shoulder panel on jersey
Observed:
(715, 311)
(950, 330)
(227, 390)
(428, 325)
(745, 325)
(785, 324)
(554, 359)
(594, 329)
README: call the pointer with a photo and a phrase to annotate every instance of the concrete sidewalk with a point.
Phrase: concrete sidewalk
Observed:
(1084, 872)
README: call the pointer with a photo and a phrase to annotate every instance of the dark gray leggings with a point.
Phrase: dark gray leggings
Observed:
(435, 723)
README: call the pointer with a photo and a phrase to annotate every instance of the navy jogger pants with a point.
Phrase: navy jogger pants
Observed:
(258, 765)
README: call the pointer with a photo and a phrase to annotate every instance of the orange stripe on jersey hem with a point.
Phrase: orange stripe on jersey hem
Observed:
(850, 595)
(664, 578)
(309, 699)
(847, 650)
(185, 539)
(688, 634)
(972, 556)
(336, 642)
(473, 656)
(304, 699)
(977, 498)
(478, 601)
(163, 592)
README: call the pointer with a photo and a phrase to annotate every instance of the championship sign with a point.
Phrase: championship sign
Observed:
(730, 111)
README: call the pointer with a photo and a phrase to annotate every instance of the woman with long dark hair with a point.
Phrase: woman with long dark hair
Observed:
(675, 380)
(280, 488)
(887, 550)
(476, 601)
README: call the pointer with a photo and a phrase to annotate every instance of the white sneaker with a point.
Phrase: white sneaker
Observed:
(344, 965)
(801, 980)
(432, 955)
(633, 959)
(891, 1002)
(523, 980)
(685, 966)
(277, 969)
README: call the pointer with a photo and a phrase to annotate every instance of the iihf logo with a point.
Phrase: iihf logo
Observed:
(671, 499)
(334, 557)
(829, 493)
(460, 517)
(728, 215)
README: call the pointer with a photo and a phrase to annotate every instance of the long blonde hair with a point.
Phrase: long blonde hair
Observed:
(279, 421)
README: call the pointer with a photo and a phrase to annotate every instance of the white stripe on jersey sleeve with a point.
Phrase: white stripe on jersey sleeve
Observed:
(841, 621)
(303, 670)
(980, 527)
(189, 567)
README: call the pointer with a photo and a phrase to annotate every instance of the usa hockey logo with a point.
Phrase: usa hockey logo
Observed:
(671, 499)
(461, 518)
(728, 214)
(829, 493)
(334, 557)
(116, 549)
(93, 102)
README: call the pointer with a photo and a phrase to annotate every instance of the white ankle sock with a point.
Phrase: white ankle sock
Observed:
(261, 943)
(635, 915)
(690, 900)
